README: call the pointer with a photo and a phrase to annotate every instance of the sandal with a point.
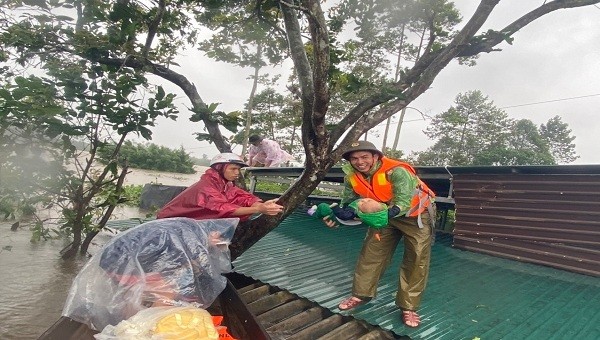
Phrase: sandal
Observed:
(411, 318)
(351, 302)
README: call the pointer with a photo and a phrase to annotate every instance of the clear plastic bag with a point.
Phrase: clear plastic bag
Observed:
(166, 262)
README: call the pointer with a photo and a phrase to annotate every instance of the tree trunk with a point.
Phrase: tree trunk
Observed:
(399, 128)
(71, 250)
(385, 134)
(250, 232)
(251, 101)
(90, 236)
(396, 77)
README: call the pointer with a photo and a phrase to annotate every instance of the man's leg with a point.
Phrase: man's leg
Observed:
(373, 259)
(414, 270)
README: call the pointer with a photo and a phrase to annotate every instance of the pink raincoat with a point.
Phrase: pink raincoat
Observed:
(268, 151)
(211, 197)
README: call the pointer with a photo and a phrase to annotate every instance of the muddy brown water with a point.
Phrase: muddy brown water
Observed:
(34, 280)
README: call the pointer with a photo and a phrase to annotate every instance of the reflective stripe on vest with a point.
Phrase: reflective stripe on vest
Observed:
(381, 189)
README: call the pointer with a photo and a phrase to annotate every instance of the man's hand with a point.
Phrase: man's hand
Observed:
(270, 207)
(329, 222)
(393, 211)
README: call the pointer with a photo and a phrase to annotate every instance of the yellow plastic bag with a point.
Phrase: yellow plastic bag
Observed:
(188, 324)
(164, 323)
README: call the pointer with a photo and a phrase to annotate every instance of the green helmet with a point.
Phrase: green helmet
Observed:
(361, 145)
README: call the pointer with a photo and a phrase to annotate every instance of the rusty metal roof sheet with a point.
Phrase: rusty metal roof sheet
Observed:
(549, 219)
(285, 315)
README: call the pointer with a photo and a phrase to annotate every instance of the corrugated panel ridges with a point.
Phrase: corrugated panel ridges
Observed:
(552, 220)
(287, 316)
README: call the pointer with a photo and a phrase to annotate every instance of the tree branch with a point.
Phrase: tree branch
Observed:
(303, 70)
(320, 40)
(262, 18)
(417, 80)
(358, 111)
(486, 42)
(420, 77)
(153, 27)
(212, 126)
(294, 7)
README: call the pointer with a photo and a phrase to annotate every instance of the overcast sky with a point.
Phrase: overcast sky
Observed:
(554, 61)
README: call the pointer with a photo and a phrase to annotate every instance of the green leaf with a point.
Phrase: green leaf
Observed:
(5, 94)
(20, 93)
(113, 168)
(146, 133)
(212, 107)
(63, 18)
(203, 136)
(160, 94)
(35, 3)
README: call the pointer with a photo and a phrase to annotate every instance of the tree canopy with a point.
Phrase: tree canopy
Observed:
(343, 86)
(476, 132)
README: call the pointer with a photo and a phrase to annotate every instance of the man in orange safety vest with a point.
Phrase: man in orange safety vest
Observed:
(411, 214)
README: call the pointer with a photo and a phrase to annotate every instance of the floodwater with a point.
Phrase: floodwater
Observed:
(34, 280)
(33, 283)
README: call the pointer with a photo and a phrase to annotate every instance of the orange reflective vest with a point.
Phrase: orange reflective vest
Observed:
(380, 188)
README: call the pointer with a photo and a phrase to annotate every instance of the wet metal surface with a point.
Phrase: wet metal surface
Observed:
(548, 219)
(548, 215)
(468, 295)
(288, 316)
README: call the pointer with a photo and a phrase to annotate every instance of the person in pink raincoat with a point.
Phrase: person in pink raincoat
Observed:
(215, 195)
(266, 152)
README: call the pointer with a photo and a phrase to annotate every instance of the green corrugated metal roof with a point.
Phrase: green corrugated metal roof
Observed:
(469, 295)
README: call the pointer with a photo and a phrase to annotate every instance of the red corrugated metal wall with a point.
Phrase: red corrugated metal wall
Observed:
(548, 219)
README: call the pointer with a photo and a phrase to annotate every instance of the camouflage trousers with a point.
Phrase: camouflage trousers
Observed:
(376, 255)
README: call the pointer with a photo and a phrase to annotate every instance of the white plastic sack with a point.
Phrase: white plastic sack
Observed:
(165, 262)
(177, 323)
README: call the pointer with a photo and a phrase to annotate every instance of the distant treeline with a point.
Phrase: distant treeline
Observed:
(151, 157)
